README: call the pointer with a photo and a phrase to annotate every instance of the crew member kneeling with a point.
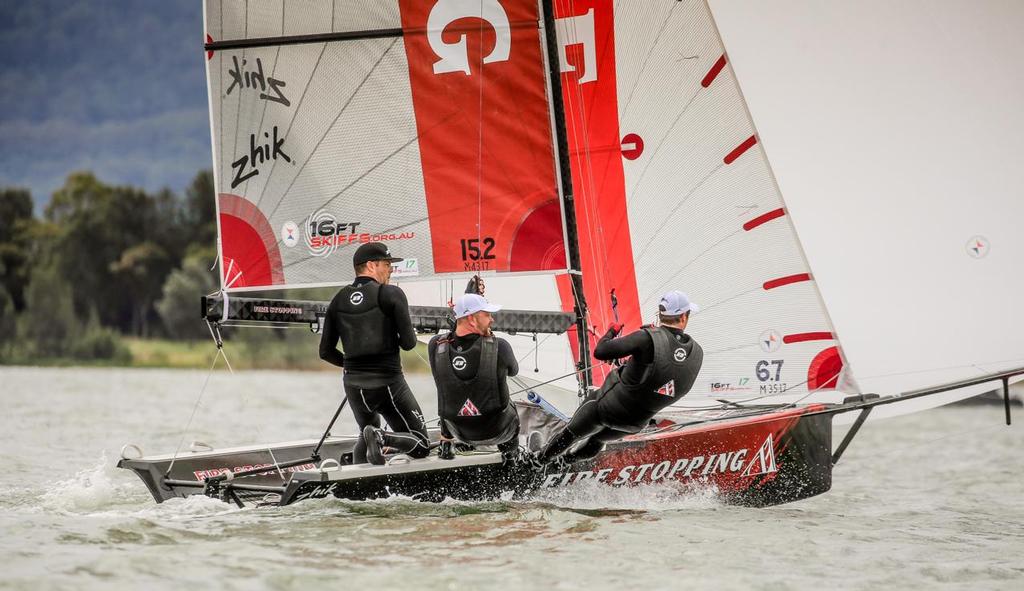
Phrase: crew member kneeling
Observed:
(662, 367)
(371, 318)
(470, 367)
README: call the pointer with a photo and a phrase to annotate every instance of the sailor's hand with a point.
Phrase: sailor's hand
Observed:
(475, 285)
(615, 329)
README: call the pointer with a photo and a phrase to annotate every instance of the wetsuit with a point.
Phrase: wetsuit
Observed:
(372, 321)
(473, 401)
(662, 367)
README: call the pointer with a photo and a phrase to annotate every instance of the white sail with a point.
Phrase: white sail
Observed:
(340, 123)
(673, 192)
(891, 128)
(818, 248)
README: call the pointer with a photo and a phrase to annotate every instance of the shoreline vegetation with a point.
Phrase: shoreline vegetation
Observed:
(111, 276)
(286, 354)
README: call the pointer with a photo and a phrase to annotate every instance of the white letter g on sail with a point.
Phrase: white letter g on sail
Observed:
(455, 56)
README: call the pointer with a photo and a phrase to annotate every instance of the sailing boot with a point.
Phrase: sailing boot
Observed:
(374, 439)
(556, 446)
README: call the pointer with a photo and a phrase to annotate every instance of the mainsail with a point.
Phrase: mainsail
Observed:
(340, 123)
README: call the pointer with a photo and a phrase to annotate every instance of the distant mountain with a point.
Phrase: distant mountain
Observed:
(113, 86)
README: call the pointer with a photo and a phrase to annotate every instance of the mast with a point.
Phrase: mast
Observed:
(575, 267)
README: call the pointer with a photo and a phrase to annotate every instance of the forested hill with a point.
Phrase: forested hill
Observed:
(102, 261)
(113, 86)
(112, 275)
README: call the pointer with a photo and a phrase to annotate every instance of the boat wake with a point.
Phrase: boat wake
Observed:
(597, 498)
(103, 490)
(99, 487)
(588, 498)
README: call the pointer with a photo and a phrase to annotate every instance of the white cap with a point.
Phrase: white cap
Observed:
(471, 303)
(676, 303)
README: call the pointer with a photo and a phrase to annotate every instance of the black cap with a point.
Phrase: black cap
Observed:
(373, 251)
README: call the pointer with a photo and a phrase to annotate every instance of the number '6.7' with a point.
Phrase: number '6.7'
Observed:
(764, 374)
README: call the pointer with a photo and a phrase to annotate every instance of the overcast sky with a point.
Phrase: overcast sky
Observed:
(112, 86)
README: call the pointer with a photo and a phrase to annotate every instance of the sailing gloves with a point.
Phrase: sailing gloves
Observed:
(615, 329)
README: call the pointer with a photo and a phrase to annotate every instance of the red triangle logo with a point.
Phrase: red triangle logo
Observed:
(469, 409)
(764, 461)
(669, 389)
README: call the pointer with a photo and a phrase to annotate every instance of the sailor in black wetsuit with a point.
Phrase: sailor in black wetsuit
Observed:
(372, 320)
(470, 367)
(663, 364)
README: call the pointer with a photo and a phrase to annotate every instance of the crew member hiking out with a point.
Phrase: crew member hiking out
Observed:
(470, 367)
(662, 367)
(372, 320)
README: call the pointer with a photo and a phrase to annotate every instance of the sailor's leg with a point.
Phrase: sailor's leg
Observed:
(357, 401)
(595, 445)
(510, 447)
(403, 414)
(585, 423)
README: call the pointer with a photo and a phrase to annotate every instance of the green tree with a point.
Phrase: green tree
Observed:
(180, 302)
(8, 326)
(116, 245)
(140, 271)
(15, 246)
(48, 325)
(200, 211)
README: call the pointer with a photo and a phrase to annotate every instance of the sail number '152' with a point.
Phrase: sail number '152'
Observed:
(477, 253)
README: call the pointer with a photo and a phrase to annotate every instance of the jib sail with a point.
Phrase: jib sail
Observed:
(673, 192)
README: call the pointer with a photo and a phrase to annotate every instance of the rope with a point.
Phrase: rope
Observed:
(578, 371)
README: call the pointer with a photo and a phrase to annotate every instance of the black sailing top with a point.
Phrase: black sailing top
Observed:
(508, 366)
(638, 346)
(395, 306)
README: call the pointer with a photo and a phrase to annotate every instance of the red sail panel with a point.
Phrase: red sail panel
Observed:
(479, 95)
(596, 145)
(251, 253)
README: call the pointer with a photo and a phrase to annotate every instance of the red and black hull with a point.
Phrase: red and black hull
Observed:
(760, 458)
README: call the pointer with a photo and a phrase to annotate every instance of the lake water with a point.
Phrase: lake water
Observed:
(933, 500)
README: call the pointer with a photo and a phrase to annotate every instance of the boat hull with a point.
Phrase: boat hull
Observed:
(765, 459)
(754, 457)
(197, 466)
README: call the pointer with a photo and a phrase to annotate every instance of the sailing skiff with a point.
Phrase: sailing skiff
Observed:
(585, 156)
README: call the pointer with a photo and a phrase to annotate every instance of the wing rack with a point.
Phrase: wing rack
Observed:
(243, 311)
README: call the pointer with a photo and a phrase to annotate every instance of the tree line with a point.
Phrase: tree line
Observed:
(103, 261)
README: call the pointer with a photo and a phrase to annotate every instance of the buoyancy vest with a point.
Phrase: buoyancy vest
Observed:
(479, 396)
(670, 375)
(365, 329)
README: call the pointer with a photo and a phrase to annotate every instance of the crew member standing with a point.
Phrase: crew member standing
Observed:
(372, 320)
(471, 367)
(663, 364)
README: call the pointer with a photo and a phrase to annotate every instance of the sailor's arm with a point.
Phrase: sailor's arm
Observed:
(329, 341)
(399, 304)
(609, 347)
(508, 357)
(431, 350)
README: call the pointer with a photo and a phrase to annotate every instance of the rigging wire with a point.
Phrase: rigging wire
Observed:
(544, 383)
(195, 407)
